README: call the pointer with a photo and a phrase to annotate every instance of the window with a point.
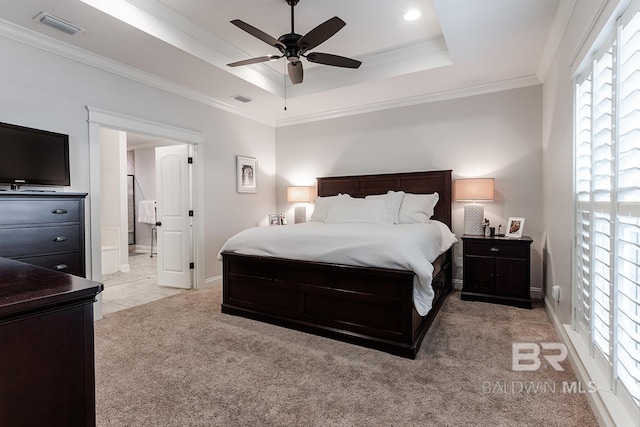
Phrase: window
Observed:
(607, 184)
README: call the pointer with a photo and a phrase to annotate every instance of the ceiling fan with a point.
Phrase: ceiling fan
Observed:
(294, 46)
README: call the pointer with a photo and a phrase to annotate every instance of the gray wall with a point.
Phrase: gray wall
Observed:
(496, 135)
(47, 91)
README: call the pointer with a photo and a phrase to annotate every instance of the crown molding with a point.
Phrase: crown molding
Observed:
(525, 81)
(66, 50)
(57, 47)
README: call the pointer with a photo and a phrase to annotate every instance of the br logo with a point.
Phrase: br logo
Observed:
(525, 356)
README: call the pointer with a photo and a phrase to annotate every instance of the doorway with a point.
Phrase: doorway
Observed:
(100, 119)
(151, 219)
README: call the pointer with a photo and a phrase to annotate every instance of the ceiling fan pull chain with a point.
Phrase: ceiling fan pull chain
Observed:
(284, 77)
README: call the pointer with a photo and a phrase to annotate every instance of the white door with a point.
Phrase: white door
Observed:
(173, 196)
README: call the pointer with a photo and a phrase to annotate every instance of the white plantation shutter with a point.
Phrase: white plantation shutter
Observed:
(602, 186)
(607, 184)
(628, 311)
(583, 188)
(627, 367)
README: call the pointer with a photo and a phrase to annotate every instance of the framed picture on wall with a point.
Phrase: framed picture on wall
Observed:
(515, 225)
(246, 174)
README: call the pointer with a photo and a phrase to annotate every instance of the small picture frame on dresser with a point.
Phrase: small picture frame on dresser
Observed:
(515, 225)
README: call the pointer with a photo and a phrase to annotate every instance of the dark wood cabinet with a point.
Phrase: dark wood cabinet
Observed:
(44, 229)
(497, 269)
(46, 347)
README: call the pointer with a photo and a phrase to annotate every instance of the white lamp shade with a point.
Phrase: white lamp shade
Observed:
(299, 194)
(474, 189)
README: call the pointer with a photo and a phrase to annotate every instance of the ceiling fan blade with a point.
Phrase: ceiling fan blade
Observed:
(258, 34)
(295, 72)
(334, 60)
(321, 33)
(254, 60)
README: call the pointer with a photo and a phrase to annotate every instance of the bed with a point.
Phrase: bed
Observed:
(368, 306)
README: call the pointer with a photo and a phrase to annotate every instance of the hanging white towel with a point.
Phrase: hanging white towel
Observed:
(147, 212)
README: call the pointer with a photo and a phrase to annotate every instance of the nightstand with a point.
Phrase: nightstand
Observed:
(497, 269)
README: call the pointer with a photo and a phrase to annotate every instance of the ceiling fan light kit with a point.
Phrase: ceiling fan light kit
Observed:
(295, 46)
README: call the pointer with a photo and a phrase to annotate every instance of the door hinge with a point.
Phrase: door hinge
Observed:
(192, 265)
(190, 213)
(190, 160)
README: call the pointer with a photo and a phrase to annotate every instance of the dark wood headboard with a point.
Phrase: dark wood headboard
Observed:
(409, 182)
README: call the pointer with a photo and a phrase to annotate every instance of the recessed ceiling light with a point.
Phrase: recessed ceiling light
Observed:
(412, 15)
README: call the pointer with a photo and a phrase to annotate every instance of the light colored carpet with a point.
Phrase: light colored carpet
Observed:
(180, 362)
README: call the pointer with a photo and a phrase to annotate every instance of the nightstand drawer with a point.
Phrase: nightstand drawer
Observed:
(496, 249)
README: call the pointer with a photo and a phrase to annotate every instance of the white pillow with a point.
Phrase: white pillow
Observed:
(358, 210)
(417, 208)
(322, 205)
(448, 238)
(393, 199)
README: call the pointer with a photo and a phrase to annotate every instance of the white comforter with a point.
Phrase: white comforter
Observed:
(411, 247)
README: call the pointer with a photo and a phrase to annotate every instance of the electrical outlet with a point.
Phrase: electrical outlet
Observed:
(555, 293)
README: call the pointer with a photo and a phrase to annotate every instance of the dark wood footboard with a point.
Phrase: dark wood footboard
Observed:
(372, 307)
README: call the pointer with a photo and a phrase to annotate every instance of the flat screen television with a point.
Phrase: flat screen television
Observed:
(33, 157)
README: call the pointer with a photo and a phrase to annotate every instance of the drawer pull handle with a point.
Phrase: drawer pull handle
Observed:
(494, 249)
(60, 267)
(59, 211)
(60, 239)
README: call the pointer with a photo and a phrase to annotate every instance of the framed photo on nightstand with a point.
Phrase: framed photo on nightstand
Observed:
(275, 219)
(515, 226)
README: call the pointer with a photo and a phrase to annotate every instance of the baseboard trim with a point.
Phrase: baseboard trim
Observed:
(212, 282)
(536, 293)
(604, 404)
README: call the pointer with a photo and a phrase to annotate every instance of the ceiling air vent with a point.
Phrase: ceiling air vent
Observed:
(242, 98)
(58, 23)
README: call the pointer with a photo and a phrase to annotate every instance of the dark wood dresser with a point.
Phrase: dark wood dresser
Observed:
(497, 269)
(44, 228)
(47, 374)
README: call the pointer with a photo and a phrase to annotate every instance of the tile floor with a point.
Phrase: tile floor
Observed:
(139, 286)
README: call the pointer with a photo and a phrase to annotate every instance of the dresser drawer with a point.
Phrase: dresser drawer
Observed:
(71, 263)
(17, 212)
(19, 242)
(496, 249)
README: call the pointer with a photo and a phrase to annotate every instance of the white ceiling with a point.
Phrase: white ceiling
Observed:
(457, 47)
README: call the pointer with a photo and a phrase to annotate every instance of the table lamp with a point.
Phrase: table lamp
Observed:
(474, 190)
(299, 194)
